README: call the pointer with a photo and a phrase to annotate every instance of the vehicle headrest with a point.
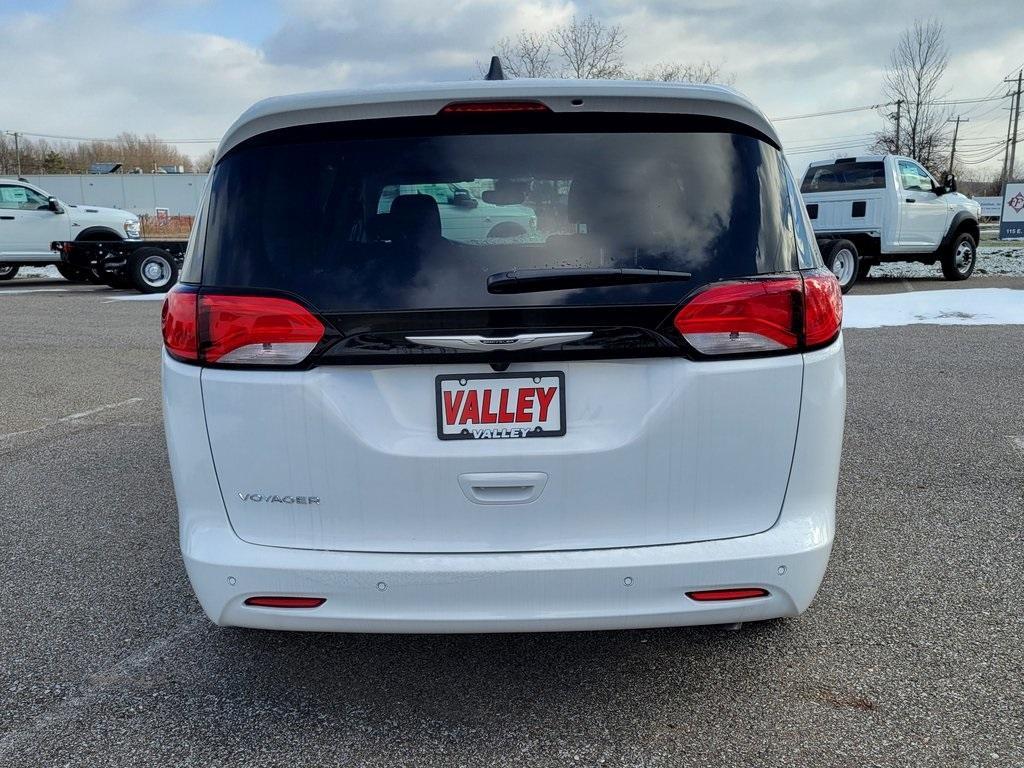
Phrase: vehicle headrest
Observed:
(414, 217)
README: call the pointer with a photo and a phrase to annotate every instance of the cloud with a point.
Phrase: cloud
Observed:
(186, 69)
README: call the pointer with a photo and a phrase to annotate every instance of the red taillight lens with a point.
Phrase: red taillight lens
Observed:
(823, 308)
(764, 315)
(741, 318)
(238, 330)
(273, 601)
(743, 593)
(256, 330)
(477, 107)
(178, 321)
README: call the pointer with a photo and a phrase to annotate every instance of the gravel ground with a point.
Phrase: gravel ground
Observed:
(911, 655)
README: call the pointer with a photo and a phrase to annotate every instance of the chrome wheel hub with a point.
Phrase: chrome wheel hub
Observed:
(842, 266)
(156, 271)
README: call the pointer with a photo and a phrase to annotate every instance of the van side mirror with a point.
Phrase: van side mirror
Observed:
(948, 183)
(54, 205)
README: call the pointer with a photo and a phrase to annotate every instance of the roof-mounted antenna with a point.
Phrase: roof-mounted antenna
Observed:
(495, 72)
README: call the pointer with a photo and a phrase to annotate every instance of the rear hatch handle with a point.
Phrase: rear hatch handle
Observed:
(476, 343)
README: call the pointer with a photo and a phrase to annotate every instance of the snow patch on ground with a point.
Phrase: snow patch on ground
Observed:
(48, 272)
(967, 306)
(992, 260)
(140, 297)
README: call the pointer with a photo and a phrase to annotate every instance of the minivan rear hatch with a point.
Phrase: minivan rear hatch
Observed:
(455, 406)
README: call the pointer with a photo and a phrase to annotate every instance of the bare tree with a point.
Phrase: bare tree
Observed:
(675, 72)
(204, 163)
(589, 48)
(529, 54)
(914, 78)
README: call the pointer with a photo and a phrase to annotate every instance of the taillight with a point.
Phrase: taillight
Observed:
(741, 318)
(823, 308)
(763, 315)
(238, 330)
(178, 321)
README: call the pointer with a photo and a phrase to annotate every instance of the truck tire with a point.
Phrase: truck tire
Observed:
(7, 271)
(152, 270)
(73, 274)
(844, 261)
(959, 260)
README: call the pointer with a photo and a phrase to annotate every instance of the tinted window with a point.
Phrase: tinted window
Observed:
(357, 223)
(841, 177)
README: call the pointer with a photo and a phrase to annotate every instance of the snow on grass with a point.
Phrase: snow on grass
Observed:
(48, 272)
(966, 306)
(992, 260)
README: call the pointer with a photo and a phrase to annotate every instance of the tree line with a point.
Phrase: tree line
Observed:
(131, 150)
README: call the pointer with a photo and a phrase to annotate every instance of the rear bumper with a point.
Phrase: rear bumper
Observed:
(510, 592)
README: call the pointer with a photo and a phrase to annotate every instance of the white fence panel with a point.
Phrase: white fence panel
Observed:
(138, 193)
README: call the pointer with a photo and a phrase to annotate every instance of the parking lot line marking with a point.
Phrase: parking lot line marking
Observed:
(11, 291)
(74, 417)
(117, 674)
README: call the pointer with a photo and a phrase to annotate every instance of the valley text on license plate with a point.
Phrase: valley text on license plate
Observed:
(501, 405)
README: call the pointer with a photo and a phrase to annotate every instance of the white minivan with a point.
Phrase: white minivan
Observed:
(631, 418)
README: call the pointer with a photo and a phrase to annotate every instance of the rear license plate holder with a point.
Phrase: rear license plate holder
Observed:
(476, 406)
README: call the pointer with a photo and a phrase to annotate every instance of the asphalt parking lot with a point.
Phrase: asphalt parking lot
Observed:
(911, 654)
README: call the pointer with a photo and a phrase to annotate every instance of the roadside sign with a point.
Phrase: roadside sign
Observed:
(991, 207)
(1011, 223)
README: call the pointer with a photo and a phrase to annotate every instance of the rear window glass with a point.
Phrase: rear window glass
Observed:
(409, 222)
(842, 177)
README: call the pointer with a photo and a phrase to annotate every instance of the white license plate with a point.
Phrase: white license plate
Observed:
(501, 405)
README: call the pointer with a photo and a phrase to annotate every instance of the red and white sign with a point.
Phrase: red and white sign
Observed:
(499, 406)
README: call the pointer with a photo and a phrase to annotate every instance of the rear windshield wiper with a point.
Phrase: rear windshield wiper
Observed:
(533, 280)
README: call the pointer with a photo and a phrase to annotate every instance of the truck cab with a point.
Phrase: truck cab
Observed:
(875, 208)
(31, 220)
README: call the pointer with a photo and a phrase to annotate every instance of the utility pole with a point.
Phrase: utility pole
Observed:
(17, 149)
(1016, 121)
(899, 115)
(956, 130)
(1009, 131)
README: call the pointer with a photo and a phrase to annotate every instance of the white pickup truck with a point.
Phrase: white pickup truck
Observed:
(875, 208)
(31, 220)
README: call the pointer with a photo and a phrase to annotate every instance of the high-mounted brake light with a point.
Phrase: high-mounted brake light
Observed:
(476, 107)
(764, 315)
(742, 593)
(238, 330)
(274, 601)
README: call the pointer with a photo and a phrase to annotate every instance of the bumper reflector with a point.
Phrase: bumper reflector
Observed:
(744, 593)
(285, 602)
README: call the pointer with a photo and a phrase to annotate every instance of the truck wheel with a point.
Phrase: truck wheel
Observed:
(152, 270)
(958, 262)
(844, 261)
(73, 274)
(7, 271)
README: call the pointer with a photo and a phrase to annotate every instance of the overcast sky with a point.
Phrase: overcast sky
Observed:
(185, 69)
